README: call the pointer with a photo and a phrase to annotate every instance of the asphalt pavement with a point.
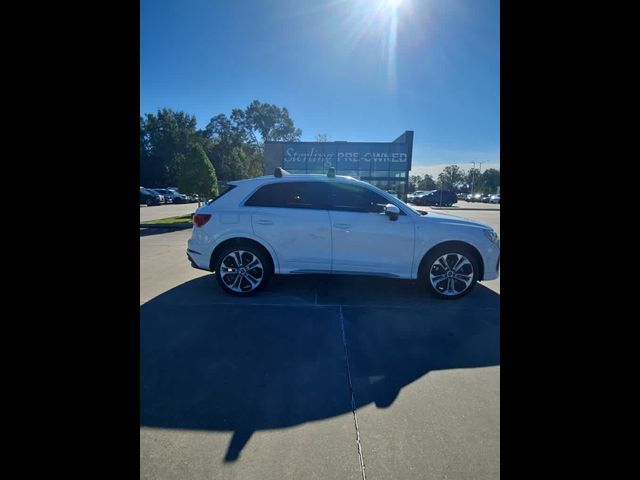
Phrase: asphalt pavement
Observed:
(166, 210)
(314, 377)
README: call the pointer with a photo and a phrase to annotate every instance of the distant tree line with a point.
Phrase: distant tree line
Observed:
(457, 180)
(173, 152)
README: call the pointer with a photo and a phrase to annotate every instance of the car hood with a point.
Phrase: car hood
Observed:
(444, 218)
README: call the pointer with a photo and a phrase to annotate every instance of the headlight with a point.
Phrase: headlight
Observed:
(493, 236)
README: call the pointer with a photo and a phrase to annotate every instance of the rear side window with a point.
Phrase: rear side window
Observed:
(309, 195)
(268, 196)
(354, 198)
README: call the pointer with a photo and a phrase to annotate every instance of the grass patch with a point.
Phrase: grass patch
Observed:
(171, 220)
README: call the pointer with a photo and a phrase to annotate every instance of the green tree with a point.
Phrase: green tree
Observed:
(427, 183)
(473, 180)
(166, 135)
(414, 181)
(451, 177)
(323, 137)
(254, 162)
(265, 122)
(146, 166)
(224, 141)
(490, 180)
(235, 143)
(197, 174)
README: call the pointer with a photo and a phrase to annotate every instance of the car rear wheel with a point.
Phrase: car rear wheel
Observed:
(149, 203)
(450, 272)
(242, 270)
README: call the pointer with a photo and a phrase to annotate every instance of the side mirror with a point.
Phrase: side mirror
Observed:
(392, 212)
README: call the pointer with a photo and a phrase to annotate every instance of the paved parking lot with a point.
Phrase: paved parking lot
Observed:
(164, 211)
(267, 386)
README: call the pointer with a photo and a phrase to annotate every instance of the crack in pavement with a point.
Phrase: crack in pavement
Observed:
(353, 402)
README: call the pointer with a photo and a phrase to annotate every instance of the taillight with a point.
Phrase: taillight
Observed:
(199, 219)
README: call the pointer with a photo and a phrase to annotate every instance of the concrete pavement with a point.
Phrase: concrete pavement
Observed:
(262, 387)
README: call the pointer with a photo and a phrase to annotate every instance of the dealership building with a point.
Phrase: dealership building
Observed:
(383, 164)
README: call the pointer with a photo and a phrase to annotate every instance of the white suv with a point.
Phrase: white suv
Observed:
(301, 224)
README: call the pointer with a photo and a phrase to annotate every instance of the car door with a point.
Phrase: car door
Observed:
(364, 239)
(293, 219)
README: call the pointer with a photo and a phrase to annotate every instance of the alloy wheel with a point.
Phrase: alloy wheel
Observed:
(241, 271)
(451, 274)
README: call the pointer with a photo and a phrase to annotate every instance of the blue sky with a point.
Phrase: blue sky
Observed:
(356, 70)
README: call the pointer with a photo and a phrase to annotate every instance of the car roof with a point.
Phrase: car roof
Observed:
(292, 177)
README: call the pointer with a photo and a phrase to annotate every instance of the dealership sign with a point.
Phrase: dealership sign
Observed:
(373, 156)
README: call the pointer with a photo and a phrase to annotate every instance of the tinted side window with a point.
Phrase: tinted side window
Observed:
(268, 196)
(310, 195)
(306, 195)
(354, 198)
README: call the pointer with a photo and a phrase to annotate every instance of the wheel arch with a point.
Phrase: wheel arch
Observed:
(454, 244)
(241, 240)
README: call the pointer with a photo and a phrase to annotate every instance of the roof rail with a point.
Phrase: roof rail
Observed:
(331, 172)
(279, 172)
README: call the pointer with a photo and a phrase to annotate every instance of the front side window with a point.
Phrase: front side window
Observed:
(354, 198)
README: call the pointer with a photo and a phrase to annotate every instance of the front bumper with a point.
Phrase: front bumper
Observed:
(491, 264)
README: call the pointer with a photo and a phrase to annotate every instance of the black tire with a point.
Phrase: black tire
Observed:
(149, 203)
(247, 253)
(450, 287)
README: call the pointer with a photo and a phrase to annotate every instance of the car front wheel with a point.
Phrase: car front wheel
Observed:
(450, 272)
(242, 270)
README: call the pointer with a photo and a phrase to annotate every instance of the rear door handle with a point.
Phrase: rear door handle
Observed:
(342, 226)
(264, 222)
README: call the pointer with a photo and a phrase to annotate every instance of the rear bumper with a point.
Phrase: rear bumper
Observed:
(193, 262)
(199, 251)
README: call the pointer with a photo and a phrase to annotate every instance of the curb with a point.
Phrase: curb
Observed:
(172, 226)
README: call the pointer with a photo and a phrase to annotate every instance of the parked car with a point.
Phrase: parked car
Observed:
(295, 224)
(417, 193)
(442, 198)
(495, 198)
(172, 196)
(476, 197)
(162, 197)
(177, 196)
(485, 198)
(149, 198)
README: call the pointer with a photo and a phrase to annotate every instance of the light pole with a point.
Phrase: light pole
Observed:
(473, 177)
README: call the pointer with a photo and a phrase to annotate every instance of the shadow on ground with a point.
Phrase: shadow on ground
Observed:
(213, 362)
